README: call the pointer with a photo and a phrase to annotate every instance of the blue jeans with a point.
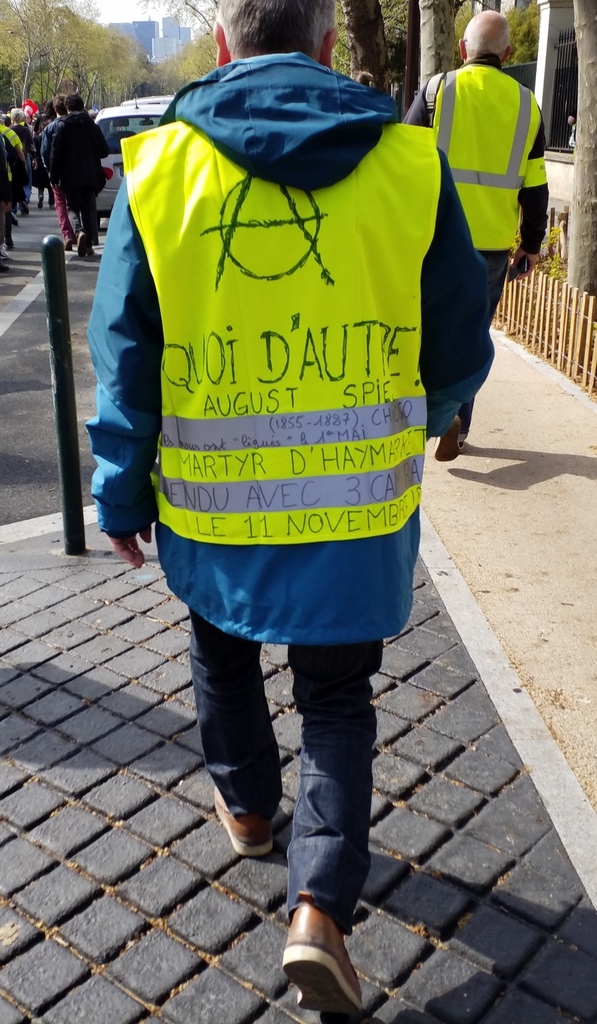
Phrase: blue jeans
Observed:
(328, 855)
(497, 268)
(27, 187)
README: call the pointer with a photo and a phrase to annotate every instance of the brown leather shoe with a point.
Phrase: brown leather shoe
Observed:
(316, 960)
(250, 834)
(447, 448)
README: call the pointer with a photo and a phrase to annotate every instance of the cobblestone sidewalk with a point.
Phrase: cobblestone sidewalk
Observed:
(121, 899)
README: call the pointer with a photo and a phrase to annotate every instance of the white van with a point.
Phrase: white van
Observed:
(118, 123)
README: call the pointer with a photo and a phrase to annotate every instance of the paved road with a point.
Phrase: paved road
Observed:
(121, 899)
(28, 464)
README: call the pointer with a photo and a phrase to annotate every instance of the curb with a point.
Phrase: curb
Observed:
(569, 809)
(27, 529)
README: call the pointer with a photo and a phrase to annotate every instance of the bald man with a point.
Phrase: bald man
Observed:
(490, 128)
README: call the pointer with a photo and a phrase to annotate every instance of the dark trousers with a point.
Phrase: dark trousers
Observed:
(497, 268)
(8, 222)
(329, 852)
(79, 203)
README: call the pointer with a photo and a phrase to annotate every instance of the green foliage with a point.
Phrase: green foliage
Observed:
(550, 260)
(195, 61)
(5, 87)
(395, 16)
(524, 33)
(48, 46)
(462, 19)
(395, 13)
(342, 49)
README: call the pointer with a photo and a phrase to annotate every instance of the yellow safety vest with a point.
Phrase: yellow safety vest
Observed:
(15, 141)
(293, 408)
(486, 123)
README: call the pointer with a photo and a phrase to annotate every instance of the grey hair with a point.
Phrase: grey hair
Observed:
(487, 32)
(17, 115)
(255, 27)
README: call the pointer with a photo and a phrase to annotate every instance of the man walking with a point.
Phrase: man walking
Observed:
(5, 199)
(286, 274)
(75, 166)
(17, 174)
(57, 112)
(491, 130)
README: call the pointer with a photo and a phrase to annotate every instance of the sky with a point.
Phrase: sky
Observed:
(127, 10)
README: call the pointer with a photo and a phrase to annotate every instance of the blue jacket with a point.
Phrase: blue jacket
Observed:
(287, 119)
(47, 138)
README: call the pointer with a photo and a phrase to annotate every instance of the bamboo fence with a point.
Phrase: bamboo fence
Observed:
(554, 322)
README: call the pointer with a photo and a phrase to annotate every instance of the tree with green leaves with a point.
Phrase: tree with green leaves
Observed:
(524, 33)
(22, 41)
(48, 46)
(367, 42)
(196, 60)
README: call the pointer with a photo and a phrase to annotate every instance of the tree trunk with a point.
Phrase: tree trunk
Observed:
(368, 50)
(582, 268)
(25, 83)
(437, 37)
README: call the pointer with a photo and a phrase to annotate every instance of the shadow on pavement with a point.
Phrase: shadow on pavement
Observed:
(530, 467)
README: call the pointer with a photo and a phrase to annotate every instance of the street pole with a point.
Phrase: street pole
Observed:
(411, 76)
(63, 394)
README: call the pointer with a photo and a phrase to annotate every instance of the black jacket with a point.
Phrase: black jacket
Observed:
(26, 138)
(5, 190)
(77, 150)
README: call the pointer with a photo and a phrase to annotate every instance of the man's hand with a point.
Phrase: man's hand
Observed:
(128, 547)
(532, 258)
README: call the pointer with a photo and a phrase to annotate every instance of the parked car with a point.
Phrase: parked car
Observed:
(118, 123)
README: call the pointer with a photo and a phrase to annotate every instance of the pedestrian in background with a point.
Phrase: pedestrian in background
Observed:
(17, 176)
(5, 199)
(41, 178)
(330, 281)
(490, 128)
(75, 165)
(45, 149)
(22, 129)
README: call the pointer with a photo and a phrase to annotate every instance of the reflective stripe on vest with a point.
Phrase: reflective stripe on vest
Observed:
(288, 430)
(327, 492)
(292, 404)
(512, 178)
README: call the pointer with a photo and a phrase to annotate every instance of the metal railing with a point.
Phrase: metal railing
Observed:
(565, 92)
(523, 73)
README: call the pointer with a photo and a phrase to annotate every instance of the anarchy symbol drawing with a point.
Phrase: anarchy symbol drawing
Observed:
(273, 247)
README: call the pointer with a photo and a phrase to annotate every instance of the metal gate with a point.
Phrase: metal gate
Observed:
(565, 92)
(523, 73)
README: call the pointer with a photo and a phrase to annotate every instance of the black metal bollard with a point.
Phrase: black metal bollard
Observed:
(63, 393)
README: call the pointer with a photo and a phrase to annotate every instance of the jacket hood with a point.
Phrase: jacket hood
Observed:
(285, 118)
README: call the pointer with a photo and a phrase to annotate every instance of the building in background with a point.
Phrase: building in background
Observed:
(157, 47)
(173, 39)
(145, 33)
(126, 27)
(502, 6)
